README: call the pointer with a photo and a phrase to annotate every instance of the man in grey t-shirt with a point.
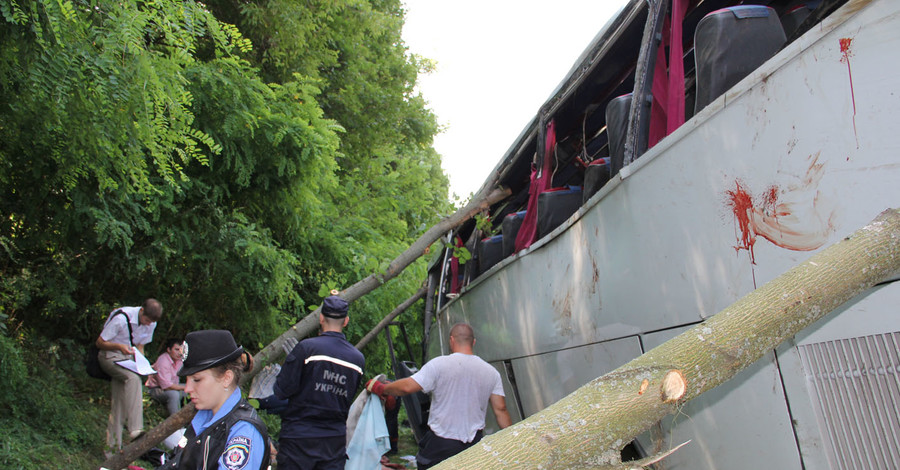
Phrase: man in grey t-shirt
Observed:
(462, 385)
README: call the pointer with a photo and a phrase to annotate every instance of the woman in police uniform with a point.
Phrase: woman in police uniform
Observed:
(226, 433)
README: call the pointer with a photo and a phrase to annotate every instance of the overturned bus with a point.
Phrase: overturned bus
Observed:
(696, 150)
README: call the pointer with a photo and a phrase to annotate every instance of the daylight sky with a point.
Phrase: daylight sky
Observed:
(497, 62)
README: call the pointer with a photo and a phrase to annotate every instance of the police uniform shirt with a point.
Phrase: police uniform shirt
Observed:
(245, 447)
(319, 379)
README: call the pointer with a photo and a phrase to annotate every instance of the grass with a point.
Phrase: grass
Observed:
(52, 415)
(406, 441)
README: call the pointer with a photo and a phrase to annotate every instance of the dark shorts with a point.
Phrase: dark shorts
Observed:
(325, 453)
(434, 449)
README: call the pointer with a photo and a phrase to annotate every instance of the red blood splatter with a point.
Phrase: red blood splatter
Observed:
(742, 206)
(845, 46)
(846, 52)
(770, 198)
(787, 217)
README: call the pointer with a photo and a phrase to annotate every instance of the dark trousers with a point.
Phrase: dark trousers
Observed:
(323, 453)
(391, 419)
(434, 449)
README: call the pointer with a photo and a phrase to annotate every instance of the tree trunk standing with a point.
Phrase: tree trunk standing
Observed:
(488, 196)
(590, 426)
(391, 316)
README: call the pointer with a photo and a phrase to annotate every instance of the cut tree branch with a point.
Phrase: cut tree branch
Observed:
(390, 317)
(588, 428)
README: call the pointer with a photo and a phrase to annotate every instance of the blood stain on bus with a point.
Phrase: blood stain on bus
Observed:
(790, 216)
(846, 52)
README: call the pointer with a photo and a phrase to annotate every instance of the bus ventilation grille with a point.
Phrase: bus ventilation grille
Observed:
(855, 385)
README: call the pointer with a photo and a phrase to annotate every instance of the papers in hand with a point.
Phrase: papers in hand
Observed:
(140, 365)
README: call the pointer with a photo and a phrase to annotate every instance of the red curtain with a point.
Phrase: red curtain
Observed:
(667, 110)
(540, 182)
(455, 286)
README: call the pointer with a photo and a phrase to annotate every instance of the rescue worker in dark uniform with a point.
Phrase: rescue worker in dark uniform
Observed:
(226, 433)
(319, 379)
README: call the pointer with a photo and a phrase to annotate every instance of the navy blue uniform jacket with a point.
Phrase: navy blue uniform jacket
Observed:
(319, 379)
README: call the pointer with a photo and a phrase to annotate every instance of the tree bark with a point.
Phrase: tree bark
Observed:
(588, 428)
(389, 318)
(486, 197)
(137, 448)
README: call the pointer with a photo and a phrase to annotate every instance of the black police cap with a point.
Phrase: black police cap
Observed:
(208, 348)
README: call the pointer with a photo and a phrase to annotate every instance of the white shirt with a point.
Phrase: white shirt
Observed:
(116, 331)
(461, 386)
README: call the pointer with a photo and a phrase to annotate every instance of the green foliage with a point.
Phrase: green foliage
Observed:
(389, 186)
(228, 158)
(43, 408)
(460, 252)
(12, 368)
(484, 223)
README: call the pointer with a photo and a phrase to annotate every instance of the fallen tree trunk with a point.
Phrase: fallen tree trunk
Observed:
(390, 317)
(309, 324)
(588, 428)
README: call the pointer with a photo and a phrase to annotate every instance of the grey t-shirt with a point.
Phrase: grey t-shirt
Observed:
(461, 386)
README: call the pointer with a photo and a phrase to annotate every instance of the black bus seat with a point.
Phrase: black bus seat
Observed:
(795, 14)
(490, 252)
(555, 206)
(596, 175)
(616, 127)
(729, 44)
(511, 224)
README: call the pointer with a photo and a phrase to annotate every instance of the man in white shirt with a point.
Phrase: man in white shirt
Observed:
(462, 385)
(126, 329)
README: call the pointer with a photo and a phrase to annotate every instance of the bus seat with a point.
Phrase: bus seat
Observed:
(616, 127)
(555, 206)
(729, 44)
(795, 15)
(511, 224)
(490, 252)
(595, 176)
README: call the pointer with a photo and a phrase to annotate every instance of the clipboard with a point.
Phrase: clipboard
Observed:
(140, 365)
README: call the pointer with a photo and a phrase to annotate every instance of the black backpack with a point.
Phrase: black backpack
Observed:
(92, 362)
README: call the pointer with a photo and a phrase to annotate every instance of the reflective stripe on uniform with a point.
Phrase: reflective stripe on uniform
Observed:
(334, 360)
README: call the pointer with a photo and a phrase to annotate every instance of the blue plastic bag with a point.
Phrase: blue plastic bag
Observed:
(370, 440)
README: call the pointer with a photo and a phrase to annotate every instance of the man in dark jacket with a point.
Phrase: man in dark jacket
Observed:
(319, 379)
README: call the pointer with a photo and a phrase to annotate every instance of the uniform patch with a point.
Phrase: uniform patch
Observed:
(237, 453)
